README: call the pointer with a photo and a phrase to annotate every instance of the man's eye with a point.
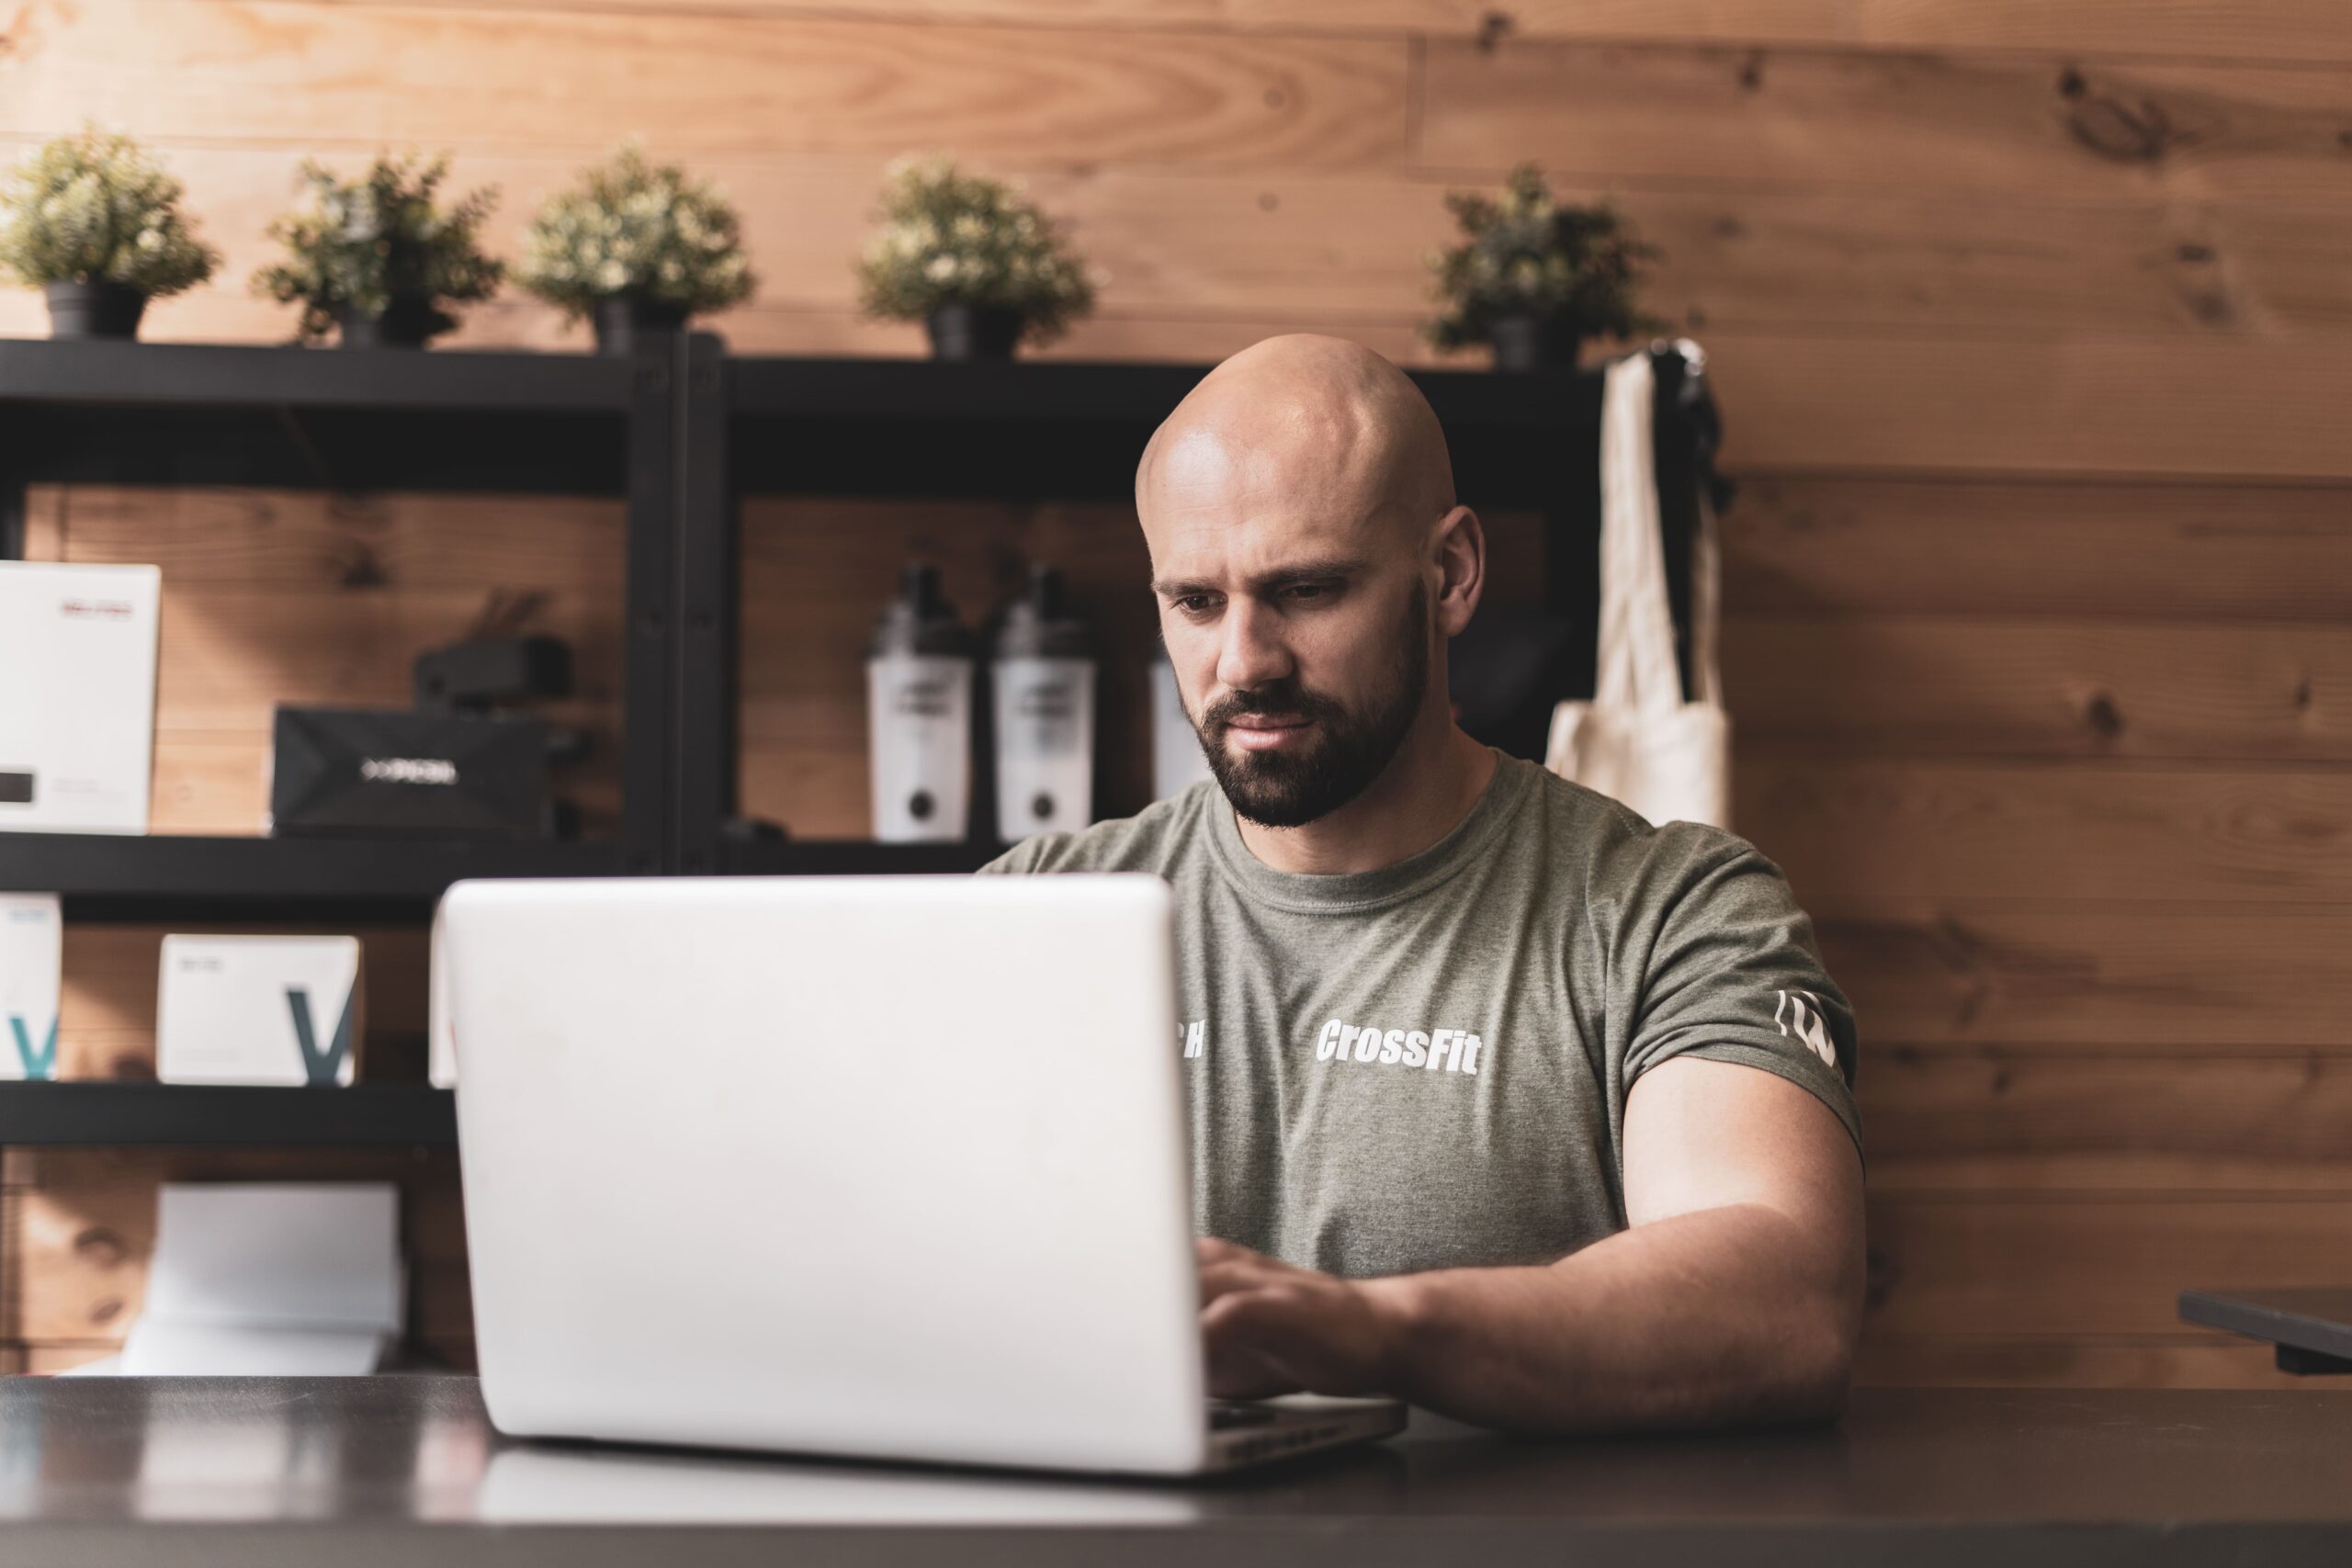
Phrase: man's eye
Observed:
(1189, 604)
(1307, 588)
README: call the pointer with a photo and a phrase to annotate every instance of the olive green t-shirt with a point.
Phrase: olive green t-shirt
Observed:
(1425, 1065)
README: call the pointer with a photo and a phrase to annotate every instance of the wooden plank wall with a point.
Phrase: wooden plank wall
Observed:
(2031, 327)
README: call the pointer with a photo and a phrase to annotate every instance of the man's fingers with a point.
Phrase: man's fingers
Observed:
(1292, 1332)
(1241, 1274)
(1270, 1322)
(1216, 1249)
(1238, 1364)
(1268, 1313)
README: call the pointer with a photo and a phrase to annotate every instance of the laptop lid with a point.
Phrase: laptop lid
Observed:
(889, 1165)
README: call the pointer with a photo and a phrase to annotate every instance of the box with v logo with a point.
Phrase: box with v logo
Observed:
(259, 1009)
(31, 958)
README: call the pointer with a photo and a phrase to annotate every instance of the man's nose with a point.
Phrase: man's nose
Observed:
(1250, 652)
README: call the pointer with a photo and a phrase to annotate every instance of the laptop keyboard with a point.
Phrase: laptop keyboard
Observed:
(1224, 1416)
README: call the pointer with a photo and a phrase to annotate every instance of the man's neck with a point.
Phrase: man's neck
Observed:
(1421, 796)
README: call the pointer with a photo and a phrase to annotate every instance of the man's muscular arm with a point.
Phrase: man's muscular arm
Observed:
(1734, 1296)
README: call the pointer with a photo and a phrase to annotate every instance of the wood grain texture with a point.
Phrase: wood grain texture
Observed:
(2005, 127)
(2294, 33)
(1902, 828)
(305, 544)
(2021, 1119)
(2114, 977)
(44, 521)
(2068, 552)
(2214, 1360)
(2092, 406)
(2030, 1265)
(354, 75)
(2027, 686)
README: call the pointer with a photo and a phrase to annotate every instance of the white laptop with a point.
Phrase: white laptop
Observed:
(890, 1166)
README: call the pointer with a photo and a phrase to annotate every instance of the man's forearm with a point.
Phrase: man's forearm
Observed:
(1719, 1315)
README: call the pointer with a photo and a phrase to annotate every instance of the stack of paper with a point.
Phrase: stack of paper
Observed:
(270, 1279)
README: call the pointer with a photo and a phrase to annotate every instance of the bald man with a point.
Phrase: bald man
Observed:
(1504, 1101)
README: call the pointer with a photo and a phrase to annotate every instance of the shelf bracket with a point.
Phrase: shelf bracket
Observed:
(12, 517)
(2309, 1363)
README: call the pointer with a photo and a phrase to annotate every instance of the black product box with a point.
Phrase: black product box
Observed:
(345, 771)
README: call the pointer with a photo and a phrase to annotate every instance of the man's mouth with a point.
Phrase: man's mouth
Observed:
(1265, 732)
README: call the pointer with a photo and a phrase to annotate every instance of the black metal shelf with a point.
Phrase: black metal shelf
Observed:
(682, 429)
(130, 413)
(128, 1113)
(164, 876)
(101, 370)
(1029, 431)
(1072, 430)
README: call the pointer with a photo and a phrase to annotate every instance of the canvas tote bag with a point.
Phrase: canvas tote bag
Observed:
(1637, 741)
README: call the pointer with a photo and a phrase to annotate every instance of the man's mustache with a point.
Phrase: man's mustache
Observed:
(1280, 703)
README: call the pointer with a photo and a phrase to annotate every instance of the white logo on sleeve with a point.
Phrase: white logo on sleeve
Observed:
(1193, 1036)
(1810, 1026)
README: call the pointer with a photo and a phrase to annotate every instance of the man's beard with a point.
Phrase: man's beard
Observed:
(1290, 787)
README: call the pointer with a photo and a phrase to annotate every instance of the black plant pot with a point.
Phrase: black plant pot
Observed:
(93, 309)
(621, 319)
(1533, 343)
(407, 323)
(964, 330)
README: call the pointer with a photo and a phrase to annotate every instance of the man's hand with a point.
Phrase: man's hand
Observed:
(1272, 1328)
(1734, 1296)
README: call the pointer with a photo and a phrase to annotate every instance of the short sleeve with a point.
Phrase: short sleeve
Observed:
(1030, 854)
(1733, 976)
(1009, 863)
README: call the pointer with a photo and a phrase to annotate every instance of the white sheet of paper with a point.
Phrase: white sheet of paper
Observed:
(321, 1254)
(155, 1349)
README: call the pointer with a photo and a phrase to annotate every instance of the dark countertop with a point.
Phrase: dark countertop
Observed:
(406, 1470)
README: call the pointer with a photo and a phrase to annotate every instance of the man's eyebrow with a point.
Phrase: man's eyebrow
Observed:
(1298, 572)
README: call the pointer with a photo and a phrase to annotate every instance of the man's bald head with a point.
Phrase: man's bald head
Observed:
(1300, 423)
(1309, 561)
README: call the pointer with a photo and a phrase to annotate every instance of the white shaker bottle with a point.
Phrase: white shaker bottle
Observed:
(919, 670)
(1177, 761)
(1043, 673)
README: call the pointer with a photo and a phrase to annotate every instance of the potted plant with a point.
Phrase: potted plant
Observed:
(635, 247)
(983, 270)
(94, 222)
(1534, 277)
(376, 256)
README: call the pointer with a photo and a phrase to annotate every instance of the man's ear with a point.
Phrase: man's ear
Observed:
(1461, 547)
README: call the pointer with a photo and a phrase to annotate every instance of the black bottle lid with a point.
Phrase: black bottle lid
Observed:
(1039, 625)
(920, 619)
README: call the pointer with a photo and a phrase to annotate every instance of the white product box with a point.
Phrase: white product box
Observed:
(77, 696)
(32, 954)
(258, 1010)
(441, 1039)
